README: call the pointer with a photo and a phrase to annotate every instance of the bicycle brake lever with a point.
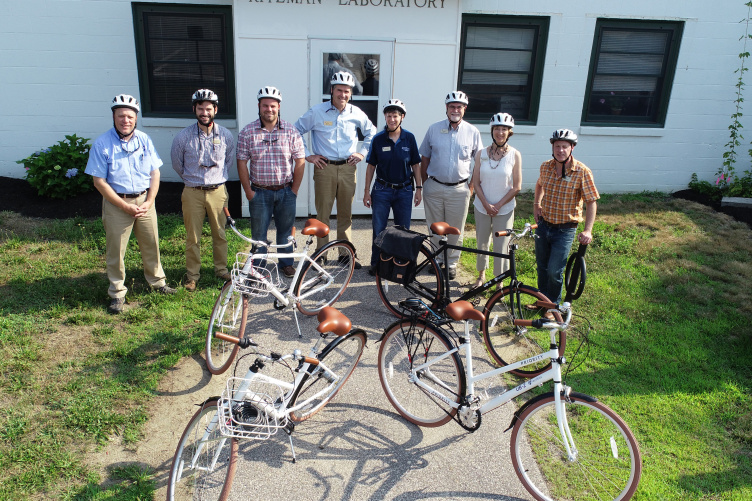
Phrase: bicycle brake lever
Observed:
(246, 342)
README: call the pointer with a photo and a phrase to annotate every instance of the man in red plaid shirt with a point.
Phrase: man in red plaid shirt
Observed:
(563, 185)
(271, 163)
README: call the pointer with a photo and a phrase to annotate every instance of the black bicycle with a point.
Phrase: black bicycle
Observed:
(505, 342)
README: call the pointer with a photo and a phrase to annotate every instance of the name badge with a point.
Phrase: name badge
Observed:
(386, 148)
(217, 141)
(328, 123)
(445, 131)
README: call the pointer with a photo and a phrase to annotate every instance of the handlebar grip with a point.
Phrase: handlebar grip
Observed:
(502, 233)
(521, 322)
(547, 305)
(227, 337)
(310, 360)
(533, 226)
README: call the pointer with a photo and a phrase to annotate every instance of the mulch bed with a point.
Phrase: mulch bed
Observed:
(17, 195)
(742, 214)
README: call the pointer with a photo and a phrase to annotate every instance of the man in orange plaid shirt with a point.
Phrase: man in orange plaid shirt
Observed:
(563, 185)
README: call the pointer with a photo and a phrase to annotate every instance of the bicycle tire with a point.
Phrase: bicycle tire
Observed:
(405, 345)
(229, 316)
(426, 285)
(341, 356)
(608, 463)
(507, 343)
(339, 262)
(203, 481)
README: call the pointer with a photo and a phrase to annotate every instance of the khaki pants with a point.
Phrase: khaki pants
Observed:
(335, 182)
(485, 226)
(196, 205)
(118, 227)
(447, 204)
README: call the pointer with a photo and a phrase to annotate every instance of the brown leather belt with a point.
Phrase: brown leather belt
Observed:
(559, 226)
(131, 195)
(271, 187)
(336, 162)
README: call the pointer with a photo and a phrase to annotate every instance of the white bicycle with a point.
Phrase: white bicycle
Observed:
(564, 445)
(256, 406)
(319, 281)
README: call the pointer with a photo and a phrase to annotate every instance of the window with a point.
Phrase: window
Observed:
(180, 49)
(631, 72)
(501, 65)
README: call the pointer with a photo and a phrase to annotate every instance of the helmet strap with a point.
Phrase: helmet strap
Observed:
(120, 134)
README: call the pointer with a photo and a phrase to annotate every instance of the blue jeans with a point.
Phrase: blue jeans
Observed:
(552, 246)
(281, 205)
(384, 198)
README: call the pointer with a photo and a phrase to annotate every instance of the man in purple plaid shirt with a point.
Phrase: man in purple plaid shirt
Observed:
(271, 163)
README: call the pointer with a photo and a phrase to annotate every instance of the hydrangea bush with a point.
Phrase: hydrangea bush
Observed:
(58, 171)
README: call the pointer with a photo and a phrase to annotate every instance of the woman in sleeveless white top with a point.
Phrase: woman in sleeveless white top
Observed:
(497, 178)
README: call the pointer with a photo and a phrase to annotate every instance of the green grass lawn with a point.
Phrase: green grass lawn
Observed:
(668, 296)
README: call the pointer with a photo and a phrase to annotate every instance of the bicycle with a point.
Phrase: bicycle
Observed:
(564, 445)
(256, 406)
(319, 281)
(504, 342)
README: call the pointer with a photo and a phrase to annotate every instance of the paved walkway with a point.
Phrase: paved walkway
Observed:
(358, 447)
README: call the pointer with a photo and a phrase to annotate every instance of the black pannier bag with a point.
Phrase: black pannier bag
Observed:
(398, 253)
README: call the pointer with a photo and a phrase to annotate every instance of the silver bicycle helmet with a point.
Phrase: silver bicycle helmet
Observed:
(395, 104)
(270, 92)
(343, 78)
(125, 101)
(457, 97)
(564, 135)
(205, 95)
(504, 119)
(371, 67)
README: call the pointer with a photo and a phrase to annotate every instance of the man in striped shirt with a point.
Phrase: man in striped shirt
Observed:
(563, 185)
(271, 163)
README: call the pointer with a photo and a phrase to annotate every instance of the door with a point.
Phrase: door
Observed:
(370, 62)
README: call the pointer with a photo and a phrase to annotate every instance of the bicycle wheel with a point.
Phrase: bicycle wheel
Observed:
(606, 464)
(315, 288)
(340, 356)
(205, 461)
(404, 347)
(228, 317)
(427, 285)
(507, 343)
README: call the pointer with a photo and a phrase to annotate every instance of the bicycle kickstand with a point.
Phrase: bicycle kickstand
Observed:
(297, 324)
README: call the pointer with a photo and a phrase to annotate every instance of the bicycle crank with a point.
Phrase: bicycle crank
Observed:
(469, 418)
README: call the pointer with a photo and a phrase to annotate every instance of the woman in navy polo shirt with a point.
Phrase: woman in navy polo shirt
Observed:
(395, 159)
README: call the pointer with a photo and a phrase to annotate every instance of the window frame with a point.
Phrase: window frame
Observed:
(144, 82)
(670, 59)
(542, 24)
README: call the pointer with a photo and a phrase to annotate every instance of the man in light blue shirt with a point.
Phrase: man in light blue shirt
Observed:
(446, 164)
(334, 127)
(125, 170)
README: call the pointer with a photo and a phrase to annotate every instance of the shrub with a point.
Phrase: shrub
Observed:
(58, 171)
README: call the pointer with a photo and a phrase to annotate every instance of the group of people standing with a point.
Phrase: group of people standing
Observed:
(270, 157)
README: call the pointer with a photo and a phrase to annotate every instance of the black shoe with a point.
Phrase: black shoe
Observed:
(372, 271)
(357, 264)
(116, 305)
(452, 273)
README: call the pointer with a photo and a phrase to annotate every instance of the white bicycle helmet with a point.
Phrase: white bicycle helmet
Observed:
(564, 135)
(271, 92)
(371, 67)
(205, 95)
(504, 119)
(125, 101)
(343, 78)
(395, 104)
(457, 97)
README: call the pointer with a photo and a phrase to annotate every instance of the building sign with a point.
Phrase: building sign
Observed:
(420, 4)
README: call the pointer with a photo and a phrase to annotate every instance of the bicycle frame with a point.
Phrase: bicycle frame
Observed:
(554, 373)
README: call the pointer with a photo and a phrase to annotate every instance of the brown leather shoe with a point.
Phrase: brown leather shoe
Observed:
(289, 271)
(190, 285)
(224, 276)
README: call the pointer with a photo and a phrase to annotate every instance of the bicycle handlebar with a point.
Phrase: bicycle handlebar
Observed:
(246, 342)
(543, 323)
(231, 223)
(525, 231)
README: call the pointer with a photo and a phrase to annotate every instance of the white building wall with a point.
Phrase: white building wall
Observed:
(62, 61)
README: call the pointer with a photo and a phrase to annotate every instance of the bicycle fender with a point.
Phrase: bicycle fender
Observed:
(336, 341)
(216, 397)
(534, 400)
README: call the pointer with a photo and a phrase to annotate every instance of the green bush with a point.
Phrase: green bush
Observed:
(58, 171)
(725, 186)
